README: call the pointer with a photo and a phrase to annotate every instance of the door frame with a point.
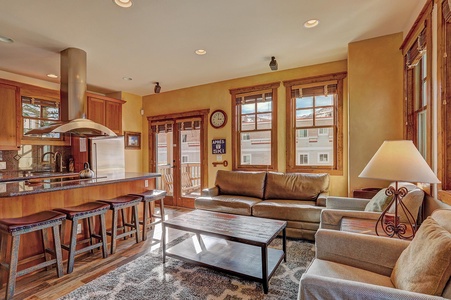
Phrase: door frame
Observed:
(177, 200)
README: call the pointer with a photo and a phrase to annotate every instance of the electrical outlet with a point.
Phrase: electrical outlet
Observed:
(78, 228)
(146, 183)
(2, 165)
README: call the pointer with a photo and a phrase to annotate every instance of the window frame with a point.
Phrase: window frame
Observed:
(337, 166)
(236, 131)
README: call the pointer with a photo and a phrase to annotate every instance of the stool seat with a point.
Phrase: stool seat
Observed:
(122, 201)
(27, 222)
(151, 195)
(83, 209)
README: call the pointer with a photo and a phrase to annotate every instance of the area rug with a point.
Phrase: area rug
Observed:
(147, 278)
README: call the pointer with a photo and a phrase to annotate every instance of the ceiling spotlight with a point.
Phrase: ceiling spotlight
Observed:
(273, 64)
(201, 52)
(311, 23)
(6, 39)
(157, 88)
(127, 78)
(123, 3)
(52, 75)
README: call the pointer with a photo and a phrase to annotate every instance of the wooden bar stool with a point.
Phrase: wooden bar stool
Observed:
(14, 228)
(86, 211)
(117, 205)
(147, 198)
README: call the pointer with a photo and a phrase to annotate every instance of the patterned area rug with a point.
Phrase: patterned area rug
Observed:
(147, 278)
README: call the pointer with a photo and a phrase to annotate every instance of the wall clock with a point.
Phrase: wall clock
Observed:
(218, 118)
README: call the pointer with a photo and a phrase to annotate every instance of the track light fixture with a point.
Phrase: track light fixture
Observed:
(157, 88)
(273, 64)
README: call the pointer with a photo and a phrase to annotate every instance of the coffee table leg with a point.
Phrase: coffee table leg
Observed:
(163, 241)
(284, 243)
(265, 269)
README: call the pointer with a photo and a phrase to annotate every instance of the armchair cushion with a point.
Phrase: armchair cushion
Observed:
(379, 202)
(425, 265)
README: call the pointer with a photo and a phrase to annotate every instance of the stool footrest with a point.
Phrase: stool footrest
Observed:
(88, 248)
(124, 234)
(36, 267)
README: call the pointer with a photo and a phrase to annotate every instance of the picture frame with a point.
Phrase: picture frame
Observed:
(132, 140)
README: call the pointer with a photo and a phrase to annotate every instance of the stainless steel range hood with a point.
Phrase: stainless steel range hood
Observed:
(73, 98)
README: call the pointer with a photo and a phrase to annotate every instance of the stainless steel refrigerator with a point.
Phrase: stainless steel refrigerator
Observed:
(106, 155)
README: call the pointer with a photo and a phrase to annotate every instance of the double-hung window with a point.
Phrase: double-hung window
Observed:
(314, 125)
(255, 127)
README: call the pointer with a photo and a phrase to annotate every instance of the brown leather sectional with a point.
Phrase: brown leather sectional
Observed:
(297, 198)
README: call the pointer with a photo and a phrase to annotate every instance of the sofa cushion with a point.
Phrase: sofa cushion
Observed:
(295, 186)
(425, 265)
(379, 202)
(239, 205)
(412, 200)
(241, 183)
(289, 210)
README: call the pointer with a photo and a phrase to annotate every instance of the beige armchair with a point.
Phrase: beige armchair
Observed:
(357, 266)
(339, 207)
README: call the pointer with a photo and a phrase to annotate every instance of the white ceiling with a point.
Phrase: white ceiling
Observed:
(155, 40)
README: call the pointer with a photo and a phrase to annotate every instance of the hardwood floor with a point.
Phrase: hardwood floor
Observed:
(46, 285)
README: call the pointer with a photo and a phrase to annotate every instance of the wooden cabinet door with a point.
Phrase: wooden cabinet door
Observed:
(113, 116)
(96, 110)
(9, 118)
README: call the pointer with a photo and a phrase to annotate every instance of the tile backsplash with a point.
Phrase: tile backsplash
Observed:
(31, 157)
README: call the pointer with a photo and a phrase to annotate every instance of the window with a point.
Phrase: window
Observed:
(303, 159)
(184, 158)
(314, 110)
(418, 85)
(246, 159)
(184, 138)
(37, 113)
(255, 127)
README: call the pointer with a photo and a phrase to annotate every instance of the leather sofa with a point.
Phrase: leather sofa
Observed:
(297, 198)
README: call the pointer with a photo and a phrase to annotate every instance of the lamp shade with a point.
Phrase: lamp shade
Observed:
(399, 161)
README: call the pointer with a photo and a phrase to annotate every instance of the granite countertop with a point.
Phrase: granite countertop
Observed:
(43, 184)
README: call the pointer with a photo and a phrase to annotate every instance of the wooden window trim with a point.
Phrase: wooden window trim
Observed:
(291, 166)
(236, 153)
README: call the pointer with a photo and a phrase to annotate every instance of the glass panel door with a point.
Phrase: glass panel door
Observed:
(190, 158)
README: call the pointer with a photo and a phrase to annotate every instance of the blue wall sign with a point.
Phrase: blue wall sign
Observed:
(218, 146)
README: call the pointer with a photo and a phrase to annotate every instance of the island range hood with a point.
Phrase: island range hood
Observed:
(73, 99)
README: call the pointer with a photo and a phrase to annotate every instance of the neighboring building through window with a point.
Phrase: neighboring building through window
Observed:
(38, 113)
(314, 108)
(255, 127)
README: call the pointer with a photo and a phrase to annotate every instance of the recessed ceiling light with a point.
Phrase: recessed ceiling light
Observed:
(201, 52)
(123, 3)
(52, 75)
(6, 39)
(127, 78)
(311, 23)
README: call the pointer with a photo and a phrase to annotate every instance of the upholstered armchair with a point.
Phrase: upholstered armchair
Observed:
(357, 266)
(339, 207)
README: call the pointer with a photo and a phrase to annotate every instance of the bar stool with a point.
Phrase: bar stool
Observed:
(117, 205)
(86, 211)
(147, 198)
(14, 228)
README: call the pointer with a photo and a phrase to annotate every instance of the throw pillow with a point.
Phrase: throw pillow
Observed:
(412, 201)
(425, 265)
(379, 202)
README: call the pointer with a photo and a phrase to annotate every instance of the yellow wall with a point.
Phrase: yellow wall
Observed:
(375, 101)
(216, 96)
(133, 121)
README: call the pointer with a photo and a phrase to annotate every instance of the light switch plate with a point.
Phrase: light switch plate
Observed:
(146, 183)
(2, 165)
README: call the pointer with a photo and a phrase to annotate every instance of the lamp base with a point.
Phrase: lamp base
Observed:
(390, 223)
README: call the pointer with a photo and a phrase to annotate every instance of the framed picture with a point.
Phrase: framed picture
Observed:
(132, 140)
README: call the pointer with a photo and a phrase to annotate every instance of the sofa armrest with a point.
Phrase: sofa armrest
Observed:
(331, 218)
(210, 192)
(321, 199)
(373, 253)
(346, 203)
(320, 287)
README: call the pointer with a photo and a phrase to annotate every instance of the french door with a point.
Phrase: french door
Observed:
(177, 152)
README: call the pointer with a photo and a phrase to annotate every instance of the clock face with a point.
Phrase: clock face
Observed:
(218, 119)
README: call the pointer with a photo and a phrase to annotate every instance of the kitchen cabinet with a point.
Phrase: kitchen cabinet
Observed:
(9, 99)
(106, 111)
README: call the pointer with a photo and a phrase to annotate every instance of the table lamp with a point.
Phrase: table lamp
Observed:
(398, 161)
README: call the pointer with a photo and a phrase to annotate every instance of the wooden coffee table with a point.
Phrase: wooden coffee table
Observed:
(233, 244)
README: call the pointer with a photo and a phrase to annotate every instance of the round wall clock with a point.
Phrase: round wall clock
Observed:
(218, 118)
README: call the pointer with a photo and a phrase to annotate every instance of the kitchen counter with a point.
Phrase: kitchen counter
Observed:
(50, 182)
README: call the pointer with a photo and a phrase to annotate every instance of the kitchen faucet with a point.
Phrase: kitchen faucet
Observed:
(58, 156)
(52, 156)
